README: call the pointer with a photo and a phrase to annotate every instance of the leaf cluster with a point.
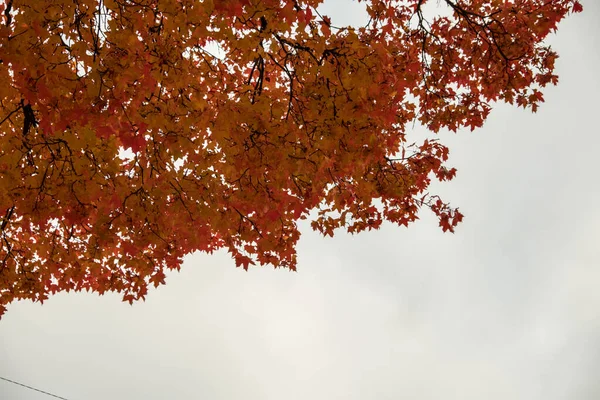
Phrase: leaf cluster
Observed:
(134, 132)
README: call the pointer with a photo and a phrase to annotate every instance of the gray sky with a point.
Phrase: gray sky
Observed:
(506, 308)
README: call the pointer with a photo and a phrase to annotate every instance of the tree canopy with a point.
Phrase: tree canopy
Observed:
(134, 132)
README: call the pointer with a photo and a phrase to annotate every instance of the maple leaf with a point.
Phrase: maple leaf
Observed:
(127, 144)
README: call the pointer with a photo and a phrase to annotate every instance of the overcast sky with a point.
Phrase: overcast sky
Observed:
(506, 308)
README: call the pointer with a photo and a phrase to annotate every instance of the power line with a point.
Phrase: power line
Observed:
(32, 388)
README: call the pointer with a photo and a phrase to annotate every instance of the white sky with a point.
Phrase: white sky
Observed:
(506, 308)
